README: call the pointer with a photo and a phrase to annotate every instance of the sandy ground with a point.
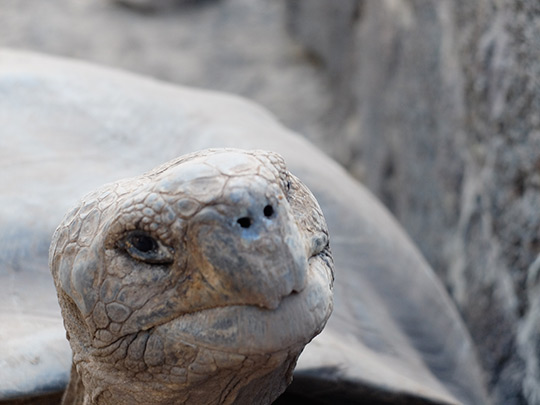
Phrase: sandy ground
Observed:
(237, 46)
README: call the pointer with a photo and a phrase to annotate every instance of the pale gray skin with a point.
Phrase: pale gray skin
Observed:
(68, 128)
(199, 282)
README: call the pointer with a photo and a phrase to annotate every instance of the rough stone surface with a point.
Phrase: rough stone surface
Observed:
(443, 123)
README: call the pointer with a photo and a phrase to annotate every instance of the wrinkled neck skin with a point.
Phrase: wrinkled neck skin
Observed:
(255, 379)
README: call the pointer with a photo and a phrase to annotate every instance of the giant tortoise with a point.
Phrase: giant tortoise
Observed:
(68, 127)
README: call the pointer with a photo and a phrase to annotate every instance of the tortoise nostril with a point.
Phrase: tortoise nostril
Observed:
(268, 211)
(244, 222)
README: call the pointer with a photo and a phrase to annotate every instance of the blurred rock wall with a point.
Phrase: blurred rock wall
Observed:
(437, 109)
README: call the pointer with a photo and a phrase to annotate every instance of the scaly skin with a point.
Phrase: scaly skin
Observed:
(198, 282)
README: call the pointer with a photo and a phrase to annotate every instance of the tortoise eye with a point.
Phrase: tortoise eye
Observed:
(144, 247)
(143, 243)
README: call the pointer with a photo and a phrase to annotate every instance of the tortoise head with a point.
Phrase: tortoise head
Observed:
(200, 281)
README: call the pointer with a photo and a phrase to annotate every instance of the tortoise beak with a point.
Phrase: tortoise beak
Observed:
(251, 253)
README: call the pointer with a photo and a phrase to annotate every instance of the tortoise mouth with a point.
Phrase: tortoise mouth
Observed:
(249, 329)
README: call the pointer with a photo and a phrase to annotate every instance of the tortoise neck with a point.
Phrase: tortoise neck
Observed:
(262, 379)
(74, 394)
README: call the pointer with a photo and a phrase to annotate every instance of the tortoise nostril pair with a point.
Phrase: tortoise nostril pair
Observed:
(245, 222)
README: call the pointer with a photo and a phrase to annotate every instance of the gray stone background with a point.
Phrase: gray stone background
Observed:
(435, 105)
(440, 117)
